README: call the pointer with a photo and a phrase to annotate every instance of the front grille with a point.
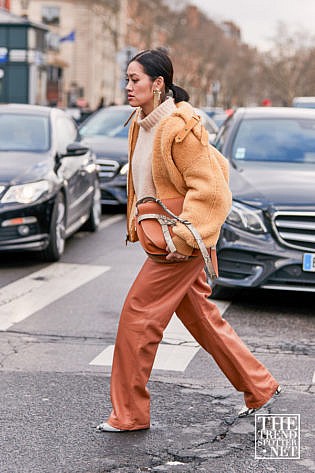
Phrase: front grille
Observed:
(295, 229)
(236, 264)
(291, 275)
(108, 168)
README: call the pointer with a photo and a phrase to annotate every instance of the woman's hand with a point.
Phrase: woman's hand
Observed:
(175, 257)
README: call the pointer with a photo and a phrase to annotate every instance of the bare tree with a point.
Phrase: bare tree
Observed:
(289, 67)
(202, 54)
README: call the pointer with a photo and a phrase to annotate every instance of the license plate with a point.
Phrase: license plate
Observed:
(309, 262)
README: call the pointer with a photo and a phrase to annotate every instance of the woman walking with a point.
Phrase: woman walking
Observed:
(171, 163)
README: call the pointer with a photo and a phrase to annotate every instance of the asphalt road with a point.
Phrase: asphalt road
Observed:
(57, 331)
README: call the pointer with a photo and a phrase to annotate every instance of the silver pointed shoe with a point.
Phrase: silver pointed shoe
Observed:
(106, 427)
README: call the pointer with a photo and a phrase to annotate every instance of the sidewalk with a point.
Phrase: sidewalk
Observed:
(48, 426)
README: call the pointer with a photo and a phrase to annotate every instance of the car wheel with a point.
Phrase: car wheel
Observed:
(92, 224)
(57, 237)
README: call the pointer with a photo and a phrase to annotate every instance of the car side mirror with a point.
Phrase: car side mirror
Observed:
(75, 149)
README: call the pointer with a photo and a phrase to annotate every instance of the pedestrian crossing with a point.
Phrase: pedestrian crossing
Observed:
(177, 350)
(168, 358)
(32, 293)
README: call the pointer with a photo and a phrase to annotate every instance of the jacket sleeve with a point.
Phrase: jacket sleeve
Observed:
(208, 197)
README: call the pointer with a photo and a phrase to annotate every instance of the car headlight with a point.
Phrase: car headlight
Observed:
(246, 218)
(124, 169)
(26, 193)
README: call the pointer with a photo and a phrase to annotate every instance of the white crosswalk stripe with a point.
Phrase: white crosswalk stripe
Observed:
(27, 295)
(169, 357)
(176, 351)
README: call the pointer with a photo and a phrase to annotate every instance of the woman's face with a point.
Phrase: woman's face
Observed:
(139, 87)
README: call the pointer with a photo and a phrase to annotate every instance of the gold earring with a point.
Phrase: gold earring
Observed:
(156, 98)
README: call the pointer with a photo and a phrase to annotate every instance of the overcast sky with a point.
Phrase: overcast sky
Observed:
(258, 19)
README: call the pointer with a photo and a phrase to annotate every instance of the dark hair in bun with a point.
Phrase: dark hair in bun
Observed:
(155, 63)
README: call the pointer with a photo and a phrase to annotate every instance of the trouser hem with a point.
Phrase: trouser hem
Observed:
(261, 402)
(128, 427)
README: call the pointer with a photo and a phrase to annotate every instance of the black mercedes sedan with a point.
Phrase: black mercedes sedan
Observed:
(49, 185)
(268, 239)
(106, 134)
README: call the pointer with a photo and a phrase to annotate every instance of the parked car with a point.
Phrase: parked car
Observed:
(217, 114)
(268, 239)
(79, 115)
(105, 132)
(303, 102)
(49, 185)
(209, 124)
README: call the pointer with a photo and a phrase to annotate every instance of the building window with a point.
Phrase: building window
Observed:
(50, 15)
(53, 41)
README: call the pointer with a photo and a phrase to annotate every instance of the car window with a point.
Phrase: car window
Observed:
(207, 122)
(107, 122)
(276, 139)
(221, 135)
(219, 118)
(20, 132)
(66, 133)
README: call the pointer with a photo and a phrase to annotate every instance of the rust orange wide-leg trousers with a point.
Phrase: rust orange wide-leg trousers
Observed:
(158, 291)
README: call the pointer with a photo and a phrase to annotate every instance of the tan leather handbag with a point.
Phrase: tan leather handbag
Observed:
(155, 220)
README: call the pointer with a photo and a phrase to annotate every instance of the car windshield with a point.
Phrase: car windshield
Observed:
(107, 122)
(24, 132)
(219, 118)
(275, 139)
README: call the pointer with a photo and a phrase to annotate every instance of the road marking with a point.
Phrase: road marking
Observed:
(168, 357)
(313, 380)
(176, 350)
(176, 333)
(27, 295)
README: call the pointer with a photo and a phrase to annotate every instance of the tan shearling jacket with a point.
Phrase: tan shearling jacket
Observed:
(185, 165)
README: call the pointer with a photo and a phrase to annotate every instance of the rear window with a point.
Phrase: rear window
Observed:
(24, 133)
(280, 140)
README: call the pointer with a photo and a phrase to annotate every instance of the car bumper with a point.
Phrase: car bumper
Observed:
(114, 192)
(25, 227)
(247, 260)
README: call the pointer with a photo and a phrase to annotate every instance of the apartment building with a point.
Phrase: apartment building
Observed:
(86, 37)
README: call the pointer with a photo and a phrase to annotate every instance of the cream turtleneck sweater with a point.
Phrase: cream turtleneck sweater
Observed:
(142, 157)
